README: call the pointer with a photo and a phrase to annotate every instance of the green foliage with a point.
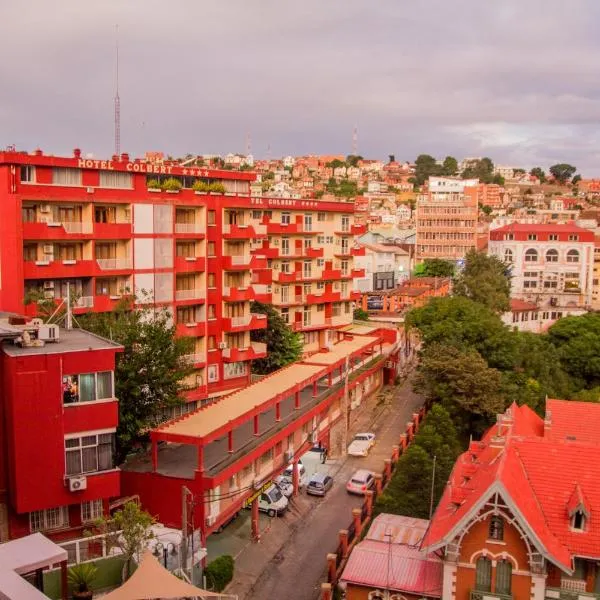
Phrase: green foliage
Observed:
(336, 163)
(562, 172)
(81, 576)
(484, 279)
(216, 187)
(539, 173)
(485, 209)
(360, 315)
(434, 267)
(171, 184)
(129, 529)
(284, 346)
(450, 166)
(345, 188)
(201, 186)
(219, 572)
(149, 373)
(519, 172)
(352, 160)
(409, 491)
(576, 179)
(153, 184)
(425, 167)
(482, 169)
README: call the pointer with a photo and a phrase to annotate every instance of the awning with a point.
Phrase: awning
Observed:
(152, 581)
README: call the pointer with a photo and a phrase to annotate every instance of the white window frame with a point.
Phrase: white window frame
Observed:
(92, 510)
(79, 436)
(96, 399)
(49, 519)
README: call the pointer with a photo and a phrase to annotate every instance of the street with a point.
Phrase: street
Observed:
(298, 567)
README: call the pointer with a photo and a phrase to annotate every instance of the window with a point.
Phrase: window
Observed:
(285, 246)
(552, 255)
(28, 214)
(211, 249)
(531, 255)
(116, 179)
(503, 577)
(285, 314)
(578, 520)
(496, 529)
(345, 223)
(529, 284)
(212, 311)
(285, 266)
(508, 256)
(211, 217)
(573, 238)
(213, 373)
(92, 510)
(27, 174)
(212, 342)
(90, 453)
(256, 214)
(308, 222)
(553, 237)
(532, 237)
(509, 236)
(286, 217)
(234, 369)
(320, 239)
(320, 262)
(573, 256)
(87, 387)
(64, 176)
(30, 252)
(483, 574)
(549, 285)
(51, 518)
(307, 270)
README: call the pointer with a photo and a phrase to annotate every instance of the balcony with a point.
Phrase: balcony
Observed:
(244, 232)
(571, 589)
(194, 329)
(478, 595)
(244, 263)
(238, 294)
(357, 273)
(344, 251)
(266, 252)
(190, 264)
(282, 228)
(355, 296)
(311, 252)
(57, 269)
(195, 294)
(106, 303)
(114, 264)
(262, 293)
(358, 229)
(255, 350)
(245, 323)
(111, 231)
(288, 277)
(198, 359)
(358, 251)
(323, 296)
(56, 231)
(83, 304)
(328, 274)
(189, 228)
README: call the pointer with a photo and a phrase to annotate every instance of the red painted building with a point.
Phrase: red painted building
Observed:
(98, 226)
(58, 417)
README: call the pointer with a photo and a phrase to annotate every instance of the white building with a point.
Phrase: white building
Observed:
(385, 267)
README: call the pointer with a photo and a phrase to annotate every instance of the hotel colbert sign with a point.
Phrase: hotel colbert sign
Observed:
(140, 167)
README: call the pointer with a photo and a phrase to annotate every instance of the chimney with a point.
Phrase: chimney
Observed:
(38, 152)
(547, 423)
(77, 153)
(125, 157)
(115, 157)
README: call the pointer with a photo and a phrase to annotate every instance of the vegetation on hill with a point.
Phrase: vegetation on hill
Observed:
(434, 267)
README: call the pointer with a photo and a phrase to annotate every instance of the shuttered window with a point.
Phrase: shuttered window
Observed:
(483, 574)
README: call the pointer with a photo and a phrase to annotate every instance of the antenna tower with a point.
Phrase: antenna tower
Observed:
(117, 101)
(355, 141)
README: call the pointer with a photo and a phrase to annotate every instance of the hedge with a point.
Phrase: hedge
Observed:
(219, 572)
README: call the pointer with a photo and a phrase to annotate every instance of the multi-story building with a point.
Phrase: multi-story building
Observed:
(519, 515)
(551, 265)
(97, 228)
(385, 267)
(447, 218)
(58, 418)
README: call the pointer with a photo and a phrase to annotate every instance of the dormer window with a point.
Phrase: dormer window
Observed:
(578, 521)
(496, 531)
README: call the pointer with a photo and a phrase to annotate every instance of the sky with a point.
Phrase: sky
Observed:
(514, 80)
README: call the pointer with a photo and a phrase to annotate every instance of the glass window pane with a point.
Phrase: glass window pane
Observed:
(104, 385)
(87, 387)
(73, 461)
(89, 458)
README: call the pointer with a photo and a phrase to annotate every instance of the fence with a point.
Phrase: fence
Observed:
(362, 517)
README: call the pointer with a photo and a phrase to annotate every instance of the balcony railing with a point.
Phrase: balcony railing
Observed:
(111, 264)
(73, 227)
(479, 595)
(188, 294)
(195, 359)
(571, 589)
(188, 228)
(85, 302)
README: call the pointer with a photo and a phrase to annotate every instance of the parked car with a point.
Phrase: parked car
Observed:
(285, 484)
(319, 484)
(289, 471)
(360, 482)
(361, 444)
(272, 501)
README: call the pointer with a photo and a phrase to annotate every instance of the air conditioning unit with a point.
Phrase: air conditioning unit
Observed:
(49, 333)
(90, 190)
(45, 208)
(275, 242)
(289, 456)
(48, 285)
(36, 322)
(77, 484)
(211, 520)
(48, 249)
(222, 345)
(277, 289)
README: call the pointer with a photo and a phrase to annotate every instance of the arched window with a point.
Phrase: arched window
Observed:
(573, 256)
(508, 255)
(503, 577)
(496, 530)
(552, 255)
(531, 255)
(483, 574)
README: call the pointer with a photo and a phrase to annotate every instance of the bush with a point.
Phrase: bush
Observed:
(219, 572)
(200, 186)
(217, 187)
(171, 184)
(153, 184)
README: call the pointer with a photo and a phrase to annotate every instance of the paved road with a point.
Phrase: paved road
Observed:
(300, 567)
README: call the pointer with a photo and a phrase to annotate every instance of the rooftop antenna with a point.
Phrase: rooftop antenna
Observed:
(268, 151)
(117, 101)
(355, 141)
(248, 144)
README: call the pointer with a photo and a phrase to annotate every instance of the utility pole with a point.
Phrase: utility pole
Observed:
(345, 410)
(69, 315)
(184, 529)
(388, 535)
(432, 487)
(117, 100)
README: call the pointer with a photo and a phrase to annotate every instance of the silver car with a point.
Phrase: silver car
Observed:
(360, 482)
(285, 484)
(319, 484)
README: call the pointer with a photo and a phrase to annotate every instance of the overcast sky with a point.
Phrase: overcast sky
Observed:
(516, 80)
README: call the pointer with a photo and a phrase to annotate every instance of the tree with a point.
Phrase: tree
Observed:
(450, 166)
(484, 279)
(497, 179)
(283, 345)
(517, 172)
(129, 529)
(434, 267)
(480, 168)
(352, 160)
(562, 172)
(576, 179)
(425, 167)
(391, 158)
(360, 315)
(335, 163)
(151, 371)
(539, 173)
(460, 379)
(485, 209)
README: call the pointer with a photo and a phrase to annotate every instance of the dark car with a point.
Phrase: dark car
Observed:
(319, 484)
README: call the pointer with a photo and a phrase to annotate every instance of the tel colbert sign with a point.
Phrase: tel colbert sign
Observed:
(140, 167)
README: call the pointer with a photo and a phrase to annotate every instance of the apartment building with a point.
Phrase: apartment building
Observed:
(385, 267)
(58, 418)
(447, 218)
(552, 265)
(98, 229)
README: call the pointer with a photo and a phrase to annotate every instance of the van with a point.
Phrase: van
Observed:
(272, 501)
(289, 472)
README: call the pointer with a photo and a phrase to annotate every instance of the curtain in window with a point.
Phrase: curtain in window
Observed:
(503, 577)
(106, 445)
(73, 460)
(483, 574)
(87, 387)
(104, 386)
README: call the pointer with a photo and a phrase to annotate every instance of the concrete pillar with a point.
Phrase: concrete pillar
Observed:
(154, 455)
(387, 468)
(331, 567)
(369, 500)
(256, 428)
(416, 421)
(410, 434)
(326, 593)
(330, 378)
(344, 542)
(295, 478)
(314, 389)
(64, 585)
(403, 443)
(230, 441)
(278, 411)
(356, 515)
(200, 467)
(254, 520)
(364, 303)
(297, 401)
(378, 483)
(395, 453)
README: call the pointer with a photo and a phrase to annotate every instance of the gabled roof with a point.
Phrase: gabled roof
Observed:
(573, 421)
(577, 502)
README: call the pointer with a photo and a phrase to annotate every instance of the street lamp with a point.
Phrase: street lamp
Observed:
(165, 548)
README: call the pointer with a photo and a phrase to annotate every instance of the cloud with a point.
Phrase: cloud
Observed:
(516, 81)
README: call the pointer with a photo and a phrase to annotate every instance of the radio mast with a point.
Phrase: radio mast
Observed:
(355, 141)
(117, 101)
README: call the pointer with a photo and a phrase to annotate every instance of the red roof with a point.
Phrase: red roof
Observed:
(517, 305)
(536, 473)
(541, 228)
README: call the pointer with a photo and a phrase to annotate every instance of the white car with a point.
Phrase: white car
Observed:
(302, 477)
(360, 482)
(361, 444)
(285, 485)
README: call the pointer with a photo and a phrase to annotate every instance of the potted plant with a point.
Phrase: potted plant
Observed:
(171, 185)
(153, 185)
(81, 577)
(217, 188)
(200, 187)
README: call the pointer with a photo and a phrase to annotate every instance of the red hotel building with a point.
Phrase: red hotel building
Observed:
(96, 225)
(58, 418)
